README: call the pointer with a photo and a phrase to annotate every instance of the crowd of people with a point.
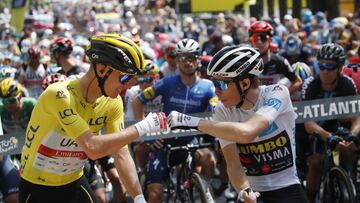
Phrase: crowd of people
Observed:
(61, 83)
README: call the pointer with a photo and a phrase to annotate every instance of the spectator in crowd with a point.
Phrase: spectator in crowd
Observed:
(61, 50)
(34, 74)
(169, 67)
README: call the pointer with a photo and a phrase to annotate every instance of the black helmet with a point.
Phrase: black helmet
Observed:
(332, 52)
(117, 51)
(235, 62)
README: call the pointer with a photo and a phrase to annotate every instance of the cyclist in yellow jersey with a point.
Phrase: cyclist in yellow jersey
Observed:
(62, 132)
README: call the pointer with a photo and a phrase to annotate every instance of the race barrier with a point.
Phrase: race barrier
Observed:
(313, 110)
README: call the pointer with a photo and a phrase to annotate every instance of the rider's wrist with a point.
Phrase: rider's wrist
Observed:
(241, 193)
(141, 127)
(139, 199)
(329, 137)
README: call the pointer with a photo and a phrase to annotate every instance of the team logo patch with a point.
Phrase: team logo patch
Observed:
(149, 93)
(275, 103)
(60, 94)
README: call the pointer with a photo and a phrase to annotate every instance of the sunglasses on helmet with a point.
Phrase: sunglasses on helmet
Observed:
(328, 66)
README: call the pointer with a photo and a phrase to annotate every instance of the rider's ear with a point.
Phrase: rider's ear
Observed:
(101, 69)
(245, 84)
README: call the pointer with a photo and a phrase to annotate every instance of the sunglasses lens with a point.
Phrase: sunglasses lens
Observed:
(124, 78)
(256, 38)
(327, 66)
(219, 84)
(144, 79)
(186, 58)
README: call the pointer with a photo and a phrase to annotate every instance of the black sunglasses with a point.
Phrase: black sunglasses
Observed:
(184, 58)
(263, 38)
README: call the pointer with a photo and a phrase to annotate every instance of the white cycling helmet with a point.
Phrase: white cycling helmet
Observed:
(236, 62)
(187, 46)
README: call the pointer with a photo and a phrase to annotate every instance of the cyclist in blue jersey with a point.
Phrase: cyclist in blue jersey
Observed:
(186, 93)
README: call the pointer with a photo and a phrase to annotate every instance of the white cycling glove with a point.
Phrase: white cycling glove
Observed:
(250, 193)
(178, 120)
(139, 199)
(154, 122)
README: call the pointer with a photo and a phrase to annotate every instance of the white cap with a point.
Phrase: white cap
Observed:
(288, 17)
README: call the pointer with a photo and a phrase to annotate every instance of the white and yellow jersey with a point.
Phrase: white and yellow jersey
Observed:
(50, 155)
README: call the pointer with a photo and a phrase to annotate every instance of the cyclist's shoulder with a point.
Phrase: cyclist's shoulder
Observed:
(59, 91)
(347, 85)
(276, 58)
(28, 102)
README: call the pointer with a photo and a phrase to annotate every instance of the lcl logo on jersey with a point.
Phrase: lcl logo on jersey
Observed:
(66, 113)
(97, 121)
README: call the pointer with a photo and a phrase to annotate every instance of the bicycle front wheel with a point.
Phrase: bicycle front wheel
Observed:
(340, 186)
(197, 190)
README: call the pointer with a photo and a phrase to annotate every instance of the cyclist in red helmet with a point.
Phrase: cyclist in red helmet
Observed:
(53, 78)
(35, 72)
(275, 66)
(61, 50)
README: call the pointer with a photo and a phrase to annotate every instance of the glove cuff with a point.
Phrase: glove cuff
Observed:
(139, 199)
(141, 127)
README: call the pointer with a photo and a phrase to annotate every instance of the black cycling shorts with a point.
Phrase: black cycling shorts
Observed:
(106, 163)
(78, 191)
(93, 175)
(291, 194)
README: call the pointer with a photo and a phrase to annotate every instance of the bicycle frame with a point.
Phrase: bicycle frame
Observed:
(336, 185)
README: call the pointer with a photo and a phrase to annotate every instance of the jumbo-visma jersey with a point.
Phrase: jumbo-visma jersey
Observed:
(50, 155)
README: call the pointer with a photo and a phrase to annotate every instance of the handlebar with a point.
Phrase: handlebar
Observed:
(189, 147)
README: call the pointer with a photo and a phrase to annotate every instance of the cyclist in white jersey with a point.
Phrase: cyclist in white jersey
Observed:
(256, 125)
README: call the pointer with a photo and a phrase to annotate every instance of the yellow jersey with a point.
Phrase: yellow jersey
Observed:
(50, 155)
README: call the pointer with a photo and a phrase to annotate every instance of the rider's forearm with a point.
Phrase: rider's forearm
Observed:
(355, 125)
(313, 128)
(235, 170)
(240, 132)
(296, 85)
(138, 109)
(126, 167)
(96, 147)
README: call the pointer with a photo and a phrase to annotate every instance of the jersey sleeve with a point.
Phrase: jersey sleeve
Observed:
(116, 117)
(287, 70)
(213, 99)
(276, 102)
(308, 87)
(151, 92)
(220, 115)
(129, 113)
(61, 104)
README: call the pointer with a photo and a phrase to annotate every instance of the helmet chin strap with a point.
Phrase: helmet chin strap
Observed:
(336, 79)
(242, 95)
(101, 80)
